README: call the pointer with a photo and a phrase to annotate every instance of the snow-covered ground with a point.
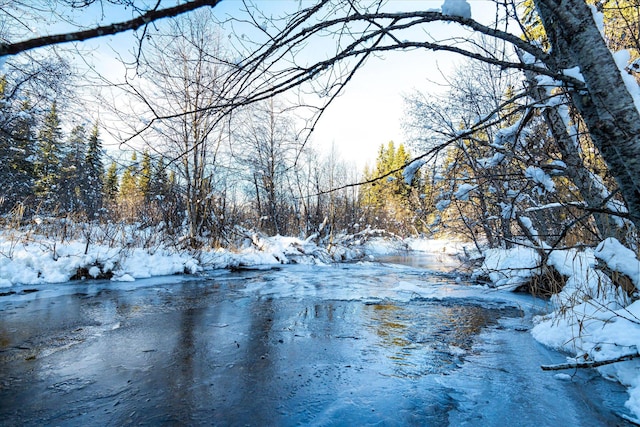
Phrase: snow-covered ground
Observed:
(590, 318)
(30, 259)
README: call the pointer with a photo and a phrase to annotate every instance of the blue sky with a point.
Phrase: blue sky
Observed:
(371, 109)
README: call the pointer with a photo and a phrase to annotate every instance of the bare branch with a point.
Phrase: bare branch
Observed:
(133, 24)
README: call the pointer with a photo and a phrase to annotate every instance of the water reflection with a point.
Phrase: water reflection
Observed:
(428, 337)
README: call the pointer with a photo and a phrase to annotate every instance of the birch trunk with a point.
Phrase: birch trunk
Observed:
(576, 170)
(606, 106)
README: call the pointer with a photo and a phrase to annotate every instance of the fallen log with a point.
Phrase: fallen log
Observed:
(589, 364)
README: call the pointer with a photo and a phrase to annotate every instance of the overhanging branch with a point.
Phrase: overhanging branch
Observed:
(133, 24)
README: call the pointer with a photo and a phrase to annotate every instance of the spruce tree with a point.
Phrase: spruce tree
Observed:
(48, 159)
(72, 171)
(16, 150)
(144, 177)
(130, 197)
(110, 187)
(159, 185)
(389, 202)
(23, 141)
(93, 173)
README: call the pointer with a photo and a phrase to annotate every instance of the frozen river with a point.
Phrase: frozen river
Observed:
(350, 344)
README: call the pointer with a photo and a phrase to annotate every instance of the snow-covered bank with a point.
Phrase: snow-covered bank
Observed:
(593, 319)
(30, 258)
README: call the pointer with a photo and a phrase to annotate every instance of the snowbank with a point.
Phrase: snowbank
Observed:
(509, 269)
(31, 259)
(591, 318)
(39, 260)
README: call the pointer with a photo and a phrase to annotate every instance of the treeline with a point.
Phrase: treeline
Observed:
(510, 156)
(261, 179)
(44, 170)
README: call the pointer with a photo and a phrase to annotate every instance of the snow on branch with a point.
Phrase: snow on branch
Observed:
(457, 8)
(540, 177)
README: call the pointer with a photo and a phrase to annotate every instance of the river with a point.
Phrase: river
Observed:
(349, 344)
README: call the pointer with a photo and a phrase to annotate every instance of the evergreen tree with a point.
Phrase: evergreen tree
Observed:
(23, 141)
(72, 171)
(93, 173)
(16, 151)
(390, 202)
(130, 197)
(110, 187)
(48, 158)
(159, 185)
(144, 177)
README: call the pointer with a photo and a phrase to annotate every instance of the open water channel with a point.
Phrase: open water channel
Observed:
(350, 344)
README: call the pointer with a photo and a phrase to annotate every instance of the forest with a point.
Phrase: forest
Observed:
(205, 141)
(506, 153)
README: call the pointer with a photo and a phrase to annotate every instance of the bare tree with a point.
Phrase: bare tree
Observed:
(267, 146)
(179, 77)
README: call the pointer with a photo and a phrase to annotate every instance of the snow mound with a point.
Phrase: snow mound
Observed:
(509, 268)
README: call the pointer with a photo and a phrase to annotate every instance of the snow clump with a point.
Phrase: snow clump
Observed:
(539, 176)
(459, 8)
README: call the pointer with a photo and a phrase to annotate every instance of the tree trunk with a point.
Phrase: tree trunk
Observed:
(576, 170)
(607, 107)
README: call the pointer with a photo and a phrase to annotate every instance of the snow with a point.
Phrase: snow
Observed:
(575, 73)
(540, 177)
(509, 269)
(443, 204)
(619, 258)
(459, 8)
(590, 318)
(464, 191)
(33, 259)
(411, 169)
(622, 59)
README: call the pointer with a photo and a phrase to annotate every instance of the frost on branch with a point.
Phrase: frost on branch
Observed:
(457, 8)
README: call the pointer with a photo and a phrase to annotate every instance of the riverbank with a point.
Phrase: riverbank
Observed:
(591, 318)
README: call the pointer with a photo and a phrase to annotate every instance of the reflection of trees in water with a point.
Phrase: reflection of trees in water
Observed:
(463, 322)
(257, 364)
(419, 336)
(386, 321)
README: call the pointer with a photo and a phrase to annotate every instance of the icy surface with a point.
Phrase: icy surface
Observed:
(344, 344)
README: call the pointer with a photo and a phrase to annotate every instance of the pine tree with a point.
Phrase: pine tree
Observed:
(94, 171)
(48, 158)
